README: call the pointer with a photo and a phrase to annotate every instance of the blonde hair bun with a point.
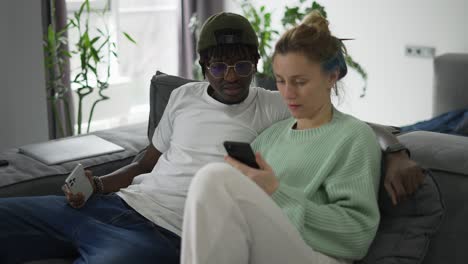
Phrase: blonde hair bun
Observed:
(315, 20)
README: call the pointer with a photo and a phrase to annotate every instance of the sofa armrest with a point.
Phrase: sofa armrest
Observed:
(438, 151)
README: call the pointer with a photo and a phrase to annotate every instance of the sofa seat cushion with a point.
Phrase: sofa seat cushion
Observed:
(26, 176)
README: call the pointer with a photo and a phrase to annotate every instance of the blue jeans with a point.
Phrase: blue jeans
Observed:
(453, 122)
(105, 230)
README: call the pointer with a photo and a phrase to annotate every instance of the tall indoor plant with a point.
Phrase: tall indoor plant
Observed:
(94, 51)
(260, 19)
(56, 57)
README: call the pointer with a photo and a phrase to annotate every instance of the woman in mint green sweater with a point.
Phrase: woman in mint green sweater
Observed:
(314, 198)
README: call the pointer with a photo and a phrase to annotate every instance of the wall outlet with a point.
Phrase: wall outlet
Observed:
(419, 51)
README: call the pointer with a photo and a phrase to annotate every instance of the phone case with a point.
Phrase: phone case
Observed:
(242, 152)
(78, 182)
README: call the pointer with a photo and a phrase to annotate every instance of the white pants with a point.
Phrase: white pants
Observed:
(229, 219)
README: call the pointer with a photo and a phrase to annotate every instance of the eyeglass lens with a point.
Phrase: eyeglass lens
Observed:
(242, 68)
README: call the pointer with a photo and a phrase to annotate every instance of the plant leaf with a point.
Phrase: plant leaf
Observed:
(93, 69)
(291, 15)
(80, 11)
(320, 8)
(95, 55)
(71, 21)
(94, 40)
(129, 37)
(87, 6)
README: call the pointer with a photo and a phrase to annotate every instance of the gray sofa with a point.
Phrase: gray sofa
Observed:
(427, 228)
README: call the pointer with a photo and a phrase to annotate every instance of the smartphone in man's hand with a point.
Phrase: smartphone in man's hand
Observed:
(242, 152)
(77, 182)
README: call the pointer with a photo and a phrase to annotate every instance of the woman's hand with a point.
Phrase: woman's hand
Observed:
(263, 177)
(77, 200)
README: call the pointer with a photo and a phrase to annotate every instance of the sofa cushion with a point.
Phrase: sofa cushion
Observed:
(26, 176)
(405, 230)
(449, 244)
(447, 157)
(161, 87)
(438, 151)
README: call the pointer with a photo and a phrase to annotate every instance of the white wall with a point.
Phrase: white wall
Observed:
(23, 112)
(399, 87)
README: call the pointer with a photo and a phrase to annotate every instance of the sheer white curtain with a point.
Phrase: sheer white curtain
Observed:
(153, 25)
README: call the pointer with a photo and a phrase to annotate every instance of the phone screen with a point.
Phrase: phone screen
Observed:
(242, 152)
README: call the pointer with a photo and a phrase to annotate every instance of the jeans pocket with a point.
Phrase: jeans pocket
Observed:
(129, 219)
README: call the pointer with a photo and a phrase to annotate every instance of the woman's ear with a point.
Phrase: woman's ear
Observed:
(333, 77)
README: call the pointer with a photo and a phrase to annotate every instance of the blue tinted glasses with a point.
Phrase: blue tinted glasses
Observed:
(220, 69)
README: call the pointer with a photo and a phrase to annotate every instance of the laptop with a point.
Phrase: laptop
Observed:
(69, 149)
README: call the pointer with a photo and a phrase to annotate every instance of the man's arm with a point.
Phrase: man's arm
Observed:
(118, 179)
(403, 176)
(384, 135)
(123, 177)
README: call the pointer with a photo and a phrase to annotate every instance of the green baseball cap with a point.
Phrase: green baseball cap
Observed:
(226, 28)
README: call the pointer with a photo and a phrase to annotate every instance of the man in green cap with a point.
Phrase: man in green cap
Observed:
(135, 214)
(227, 41)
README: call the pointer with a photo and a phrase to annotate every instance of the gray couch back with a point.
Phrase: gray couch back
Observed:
(160, 89)
(450, 83)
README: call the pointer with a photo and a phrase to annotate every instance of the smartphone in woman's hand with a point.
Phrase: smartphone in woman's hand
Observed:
(242, 152)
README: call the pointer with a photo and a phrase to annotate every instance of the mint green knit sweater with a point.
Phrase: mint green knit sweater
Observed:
(329, 178)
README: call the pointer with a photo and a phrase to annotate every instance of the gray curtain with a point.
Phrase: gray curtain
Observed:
(60, 100)
(187, 49)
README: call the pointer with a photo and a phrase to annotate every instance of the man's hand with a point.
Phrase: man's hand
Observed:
(403, 176)
(77, 200)
(264, 177)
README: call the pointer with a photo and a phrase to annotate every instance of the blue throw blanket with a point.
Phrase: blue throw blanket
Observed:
(453, 122)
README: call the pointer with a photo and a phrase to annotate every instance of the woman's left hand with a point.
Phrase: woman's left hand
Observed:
(263, 177)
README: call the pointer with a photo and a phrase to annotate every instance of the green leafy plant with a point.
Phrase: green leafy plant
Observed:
(260, 19)
(261, 23)
(94, 51)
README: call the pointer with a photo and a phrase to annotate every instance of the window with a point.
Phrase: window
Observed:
(153, 25)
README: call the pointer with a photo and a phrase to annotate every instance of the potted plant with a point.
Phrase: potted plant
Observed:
(260, 19)
(261, 22)
(94, 51)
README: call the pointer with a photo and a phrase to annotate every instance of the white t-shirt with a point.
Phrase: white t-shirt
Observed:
(190, 135)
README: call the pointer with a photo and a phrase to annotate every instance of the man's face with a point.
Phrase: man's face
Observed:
(231, 87)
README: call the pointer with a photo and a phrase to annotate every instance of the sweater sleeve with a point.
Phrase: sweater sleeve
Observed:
(348, 221)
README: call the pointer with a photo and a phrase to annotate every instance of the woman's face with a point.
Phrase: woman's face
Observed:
(302, 83)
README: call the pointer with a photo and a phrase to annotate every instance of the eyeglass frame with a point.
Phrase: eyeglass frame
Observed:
(231, 66)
